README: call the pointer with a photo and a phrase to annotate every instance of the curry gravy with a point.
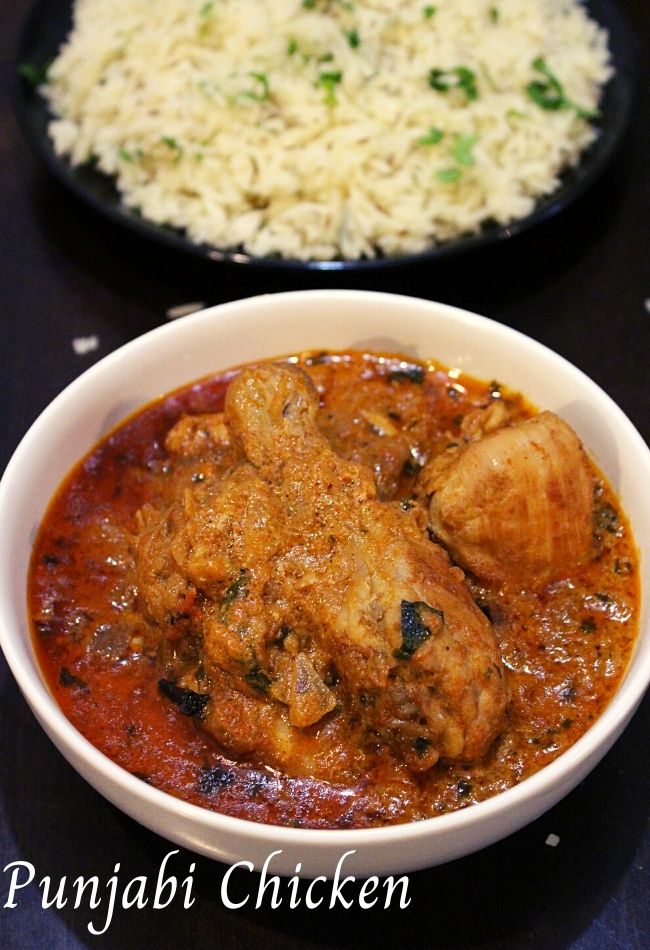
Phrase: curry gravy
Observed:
(563, 649)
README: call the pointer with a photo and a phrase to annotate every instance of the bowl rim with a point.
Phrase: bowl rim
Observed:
(578, 759)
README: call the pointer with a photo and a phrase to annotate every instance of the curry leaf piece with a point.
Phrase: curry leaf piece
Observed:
(238, 588)
(189, 703)
(417, 619)
(410, 374)
(212, 778)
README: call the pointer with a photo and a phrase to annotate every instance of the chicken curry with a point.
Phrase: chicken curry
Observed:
(336, 590)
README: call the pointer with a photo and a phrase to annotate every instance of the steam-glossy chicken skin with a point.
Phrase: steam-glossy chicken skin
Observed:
(321, 597)
(515, 507)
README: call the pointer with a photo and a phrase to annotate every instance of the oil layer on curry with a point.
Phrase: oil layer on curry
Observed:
(337, 590)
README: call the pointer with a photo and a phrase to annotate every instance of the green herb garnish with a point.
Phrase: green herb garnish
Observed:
(238, 588)
(442, 80)
(172, 144)
(66, 678)
(128, 155)
(32, 74)
(432, 137)
(410, 374)
(428, 11)
(448, 175)
(422, 745)
(189, 703)
(606, 519)
(353, 39)
(213, 778)
(548, 93)
(329, 82)
(414, 618)
(257, 678)
(263, 92)
(462, 149)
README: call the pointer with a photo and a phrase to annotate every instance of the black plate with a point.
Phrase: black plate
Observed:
(50, 21)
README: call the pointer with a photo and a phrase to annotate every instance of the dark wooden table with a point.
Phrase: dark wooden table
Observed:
(580, 284)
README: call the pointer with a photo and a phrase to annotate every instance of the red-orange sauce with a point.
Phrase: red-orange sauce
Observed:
(565, 649)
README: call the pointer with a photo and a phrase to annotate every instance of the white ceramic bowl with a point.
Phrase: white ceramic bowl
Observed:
(247, 330)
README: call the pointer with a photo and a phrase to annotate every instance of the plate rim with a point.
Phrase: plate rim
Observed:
(32, 111)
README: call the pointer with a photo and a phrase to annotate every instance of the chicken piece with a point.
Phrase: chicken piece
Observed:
(515, 507)
(361, 577)
(315, 595)
(198, 435)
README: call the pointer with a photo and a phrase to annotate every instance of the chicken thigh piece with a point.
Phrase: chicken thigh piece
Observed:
(516, 506)
(364, 592)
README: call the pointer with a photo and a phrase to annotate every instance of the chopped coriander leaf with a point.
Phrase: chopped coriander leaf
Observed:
(292, 47)
(329, 82)
(172, 144)
(494, 15)
(263, 92)
(130, 155)
(428, 11)
(448, 175)
(309, 4)
(442, 80)
(206, 9)
(549, 93)
(32, 74)
(462, 149)
(353, 38)
(432, 137)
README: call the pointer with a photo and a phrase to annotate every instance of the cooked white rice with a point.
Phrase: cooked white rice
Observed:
(311, 128)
